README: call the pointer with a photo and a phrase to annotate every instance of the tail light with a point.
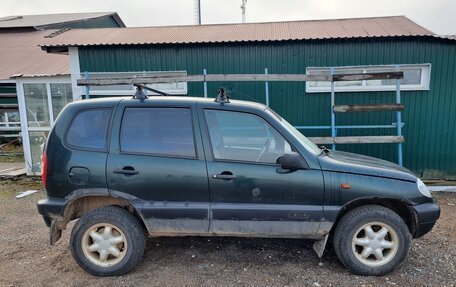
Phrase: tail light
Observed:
(44, 164)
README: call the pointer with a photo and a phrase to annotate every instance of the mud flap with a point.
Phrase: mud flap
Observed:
(54, 233)
(319, 246)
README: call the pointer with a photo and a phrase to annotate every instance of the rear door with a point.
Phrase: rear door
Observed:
(250, 193)
(156, 161)
(76, 152)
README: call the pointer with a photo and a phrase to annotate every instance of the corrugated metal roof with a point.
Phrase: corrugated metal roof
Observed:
(20, 55)
(272, 31)
(449, 37)
(37, 21)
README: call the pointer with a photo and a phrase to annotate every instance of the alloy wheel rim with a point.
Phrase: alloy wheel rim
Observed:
(104, 244)
(375, 244)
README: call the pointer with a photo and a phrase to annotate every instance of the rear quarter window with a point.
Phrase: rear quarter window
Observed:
(89, 129)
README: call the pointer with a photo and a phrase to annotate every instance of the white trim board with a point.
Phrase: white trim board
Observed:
(75, 69)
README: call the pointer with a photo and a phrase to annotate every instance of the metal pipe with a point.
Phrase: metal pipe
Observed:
(205, 83)
(333, 115)
(266, 86)
(5, 114)
(399, 119)
(87, 88)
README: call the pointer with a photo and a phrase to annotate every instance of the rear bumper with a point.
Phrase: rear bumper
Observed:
(51, 209)
(426, 215)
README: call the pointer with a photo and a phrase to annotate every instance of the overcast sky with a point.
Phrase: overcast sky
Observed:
(439, 16)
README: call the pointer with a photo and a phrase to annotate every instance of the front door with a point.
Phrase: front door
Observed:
(157, 163)
(250, 193)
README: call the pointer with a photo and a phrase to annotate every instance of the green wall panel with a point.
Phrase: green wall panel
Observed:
(429, 116)
(8, 94)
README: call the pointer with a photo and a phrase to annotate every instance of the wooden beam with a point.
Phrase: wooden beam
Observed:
(357, 139)
(266, 77)
(368, 76)
(171, 77)
(138, 80)
(201, 78)
(368, 108)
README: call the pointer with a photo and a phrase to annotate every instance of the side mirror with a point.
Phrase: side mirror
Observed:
(292, 161)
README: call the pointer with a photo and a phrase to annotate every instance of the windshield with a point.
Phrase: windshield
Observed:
(310, 146)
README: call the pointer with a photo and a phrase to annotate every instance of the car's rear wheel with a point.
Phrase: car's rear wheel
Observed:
(107, 241)
(372, 240)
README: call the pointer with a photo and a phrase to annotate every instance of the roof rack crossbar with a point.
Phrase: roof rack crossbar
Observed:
(144, 87)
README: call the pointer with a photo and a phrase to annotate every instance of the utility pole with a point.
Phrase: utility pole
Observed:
(244, 2)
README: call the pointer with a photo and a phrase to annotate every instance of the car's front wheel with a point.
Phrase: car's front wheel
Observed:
(108, 241)
(372, 240)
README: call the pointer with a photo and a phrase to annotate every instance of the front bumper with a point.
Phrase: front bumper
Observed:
(426, 215)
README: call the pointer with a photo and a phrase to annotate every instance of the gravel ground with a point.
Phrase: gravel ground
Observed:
(26, 259)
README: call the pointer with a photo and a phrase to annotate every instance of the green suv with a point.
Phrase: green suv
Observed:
(177, 166)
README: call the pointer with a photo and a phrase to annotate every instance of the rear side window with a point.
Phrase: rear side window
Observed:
(89, 129)
(159, 131)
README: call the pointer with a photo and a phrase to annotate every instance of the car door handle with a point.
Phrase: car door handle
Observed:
(128, 170)
(224, 175)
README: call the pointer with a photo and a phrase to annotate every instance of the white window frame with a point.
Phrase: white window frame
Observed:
(423, 86)
(25, 129)
(181, 88)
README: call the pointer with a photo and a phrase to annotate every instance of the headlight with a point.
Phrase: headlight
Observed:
(423, 188)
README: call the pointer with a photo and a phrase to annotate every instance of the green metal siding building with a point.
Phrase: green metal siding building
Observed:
(429, 116)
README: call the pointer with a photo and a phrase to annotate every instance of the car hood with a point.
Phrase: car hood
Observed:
(346, 162)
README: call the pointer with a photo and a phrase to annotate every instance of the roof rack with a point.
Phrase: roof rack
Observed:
(142, 96)
(222, 96)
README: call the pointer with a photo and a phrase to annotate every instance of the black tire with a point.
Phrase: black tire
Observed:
(115, 224)
(352, 251)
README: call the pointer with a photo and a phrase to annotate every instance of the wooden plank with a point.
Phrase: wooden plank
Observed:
(368, 76)
(12, 172)
(266, 77)
(3, 171)
(357, 139)
(368, 108)
(138, 76)
(173, 78)
(139, 80)
(17, 172)
(201, 78)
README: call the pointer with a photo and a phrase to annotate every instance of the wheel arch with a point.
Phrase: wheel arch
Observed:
(79, 206)
(401, 207)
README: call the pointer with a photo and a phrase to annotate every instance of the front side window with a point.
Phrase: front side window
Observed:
(89, 129)
(158, 131)
(244, 137)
